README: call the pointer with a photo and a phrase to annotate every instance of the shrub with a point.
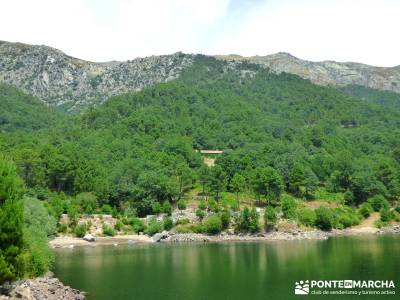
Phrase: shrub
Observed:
(87, 201)
(397, 208)
(348, 198)
(212, 224)
(189, 228)
(307, 217)
(346, 217)
(154, 227)
(38, 217)
(378, 202)
(324, 218)
(118, 225)
(62, 228)
(73, 214)
(365, 209)
(200, 213)
(38, 258)
(225, 217)
(167, 208)
(182, 221)
(106, 209)
(213, 205)
(137, 225)
(181, 204)
(202, 205)
(156, 207)
(108, 231)
(168, 223)
(289, 207)
(248, 220)
(80, 230)
(386, 214)
(254, 220)
(270, 217)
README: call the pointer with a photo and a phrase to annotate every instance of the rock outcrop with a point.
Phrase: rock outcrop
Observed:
(328, 73)
(71, 83)
(41, 288)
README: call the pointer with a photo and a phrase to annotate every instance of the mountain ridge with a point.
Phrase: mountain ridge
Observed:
(328, 72)
(73, 84)
(61, 80)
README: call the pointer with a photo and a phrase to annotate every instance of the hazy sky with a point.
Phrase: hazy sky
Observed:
(101, 30)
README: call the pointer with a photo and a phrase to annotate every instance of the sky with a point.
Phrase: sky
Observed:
(102, 30)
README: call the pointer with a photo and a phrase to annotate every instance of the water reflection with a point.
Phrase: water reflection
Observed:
(224, 271)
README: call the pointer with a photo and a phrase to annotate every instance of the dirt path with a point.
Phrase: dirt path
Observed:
(367, 225)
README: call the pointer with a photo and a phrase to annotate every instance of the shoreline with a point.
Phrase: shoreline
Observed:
(171, 237)
(44, 287)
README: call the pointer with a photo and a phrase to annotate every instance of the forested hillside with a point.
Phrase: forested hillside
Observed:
(139, 148)
(21, 111)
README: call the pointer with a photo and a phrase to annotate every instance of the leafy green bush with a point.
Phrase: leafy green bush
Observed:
(181, 204)
(154, 227)
(38, 258)
(167, 208)
(80, 230)
(108, 231)
(270, 217)
(378, 202)
(289, 207)
(189, 228)
(397, 209)
(366, 209)
(346, 217)
(200, 213)
(37, 216)
(386, 214)
(225, 217)
(118, 225)
(106, 209)
(324, 218)
(156, 208)
(213, 205)
(168, 223)
(212, 224)
(137, 225)
(87, 201)
(182, 221)
(248, 221)
(62, 228)
(202, 205)
(254, 220)
(307, 217)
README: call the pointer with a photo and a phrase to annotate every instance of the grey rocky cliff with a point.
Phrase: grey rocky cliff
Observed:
(73, 84)
(61, 80)
(328, 73)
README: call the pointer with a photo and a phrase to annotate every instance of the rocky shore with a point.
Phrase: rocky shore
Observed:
(284, 236)
(171, 237)
(40, 288)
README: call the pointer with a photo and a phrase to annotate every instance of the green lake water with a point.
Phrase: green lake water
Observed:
(242, 271)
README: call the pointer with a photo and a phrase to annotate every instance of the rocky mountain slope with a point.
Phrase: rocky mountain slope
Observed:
(328, 72)
(71, 84)
(61, 80)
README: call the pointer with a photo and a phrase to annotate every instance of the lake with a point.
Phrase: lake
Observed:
(251, 270)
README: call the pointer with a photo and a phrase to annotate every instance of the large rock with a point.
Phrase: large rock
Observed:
(61, 80)
(160, 236)
(90, 238)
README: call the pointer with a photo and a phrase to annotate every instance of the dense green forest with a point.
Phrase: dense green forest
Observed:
(281, 135)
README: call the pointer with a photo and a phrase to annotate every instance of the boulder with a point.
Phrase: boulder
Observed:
(90, 238)
(160, 236)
